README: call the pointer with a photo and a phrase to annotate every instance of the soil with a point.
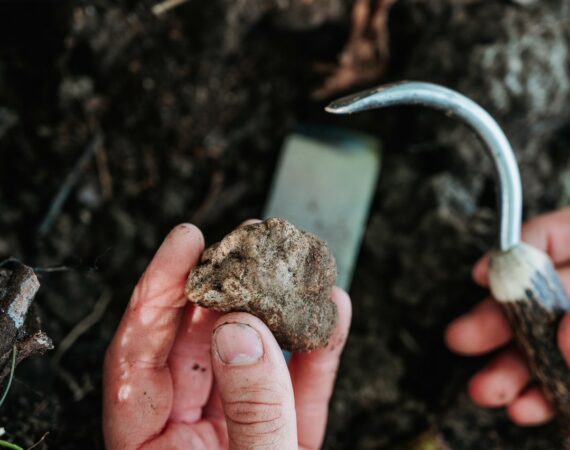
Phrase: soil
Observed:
(152, 121)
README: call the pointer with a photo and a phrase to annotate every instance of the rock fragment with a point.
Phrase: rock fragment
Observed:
(275, 271)
(19, 320)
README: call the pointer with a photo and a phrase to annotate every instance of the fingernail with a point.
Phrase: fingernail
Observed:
(238, 344)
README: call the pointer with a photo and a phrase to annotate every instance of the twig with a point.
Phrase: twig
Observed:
(39, 442)
(209, 201)
(39, 270)
(11, 377)
(366, 54)
(166, 5)
(85, 324)
(68, 185)
(79, 392)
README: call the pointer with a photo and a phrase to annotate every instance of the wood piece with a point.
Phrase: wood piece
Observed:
(19, 323)
(17, 290)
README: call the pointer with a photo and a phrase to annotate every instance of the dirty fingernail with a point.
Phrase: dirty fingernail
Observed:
(238, 344)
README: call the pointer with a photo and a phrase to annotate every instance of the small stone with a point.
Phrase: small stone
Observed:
(276, 272)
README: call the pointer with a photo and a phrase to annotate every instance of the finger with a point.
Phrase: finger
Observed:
(501, 381)
(190, 364)
(564, 337)
(313, 375)
(481, 271)
(176, 435)
(481, 330)
(549, 233)
(564, 274)
(214, 408)
(138, 389)
(531, 408)
(254, 384)
(149, 325)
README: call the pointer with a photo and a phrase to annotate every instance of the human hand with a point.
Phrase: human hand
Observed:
(178, 376)
(505, 381)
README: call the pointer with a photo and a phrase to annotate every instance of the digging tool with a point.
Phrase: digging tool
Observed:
(324, 183)
(522, 278)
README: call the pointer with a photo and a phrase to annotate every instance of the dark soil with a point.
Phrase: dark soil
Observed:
(182, 118)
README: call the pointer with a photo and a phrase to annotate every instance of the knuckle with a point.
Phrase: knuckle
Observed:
(257, 413)
(254, 413)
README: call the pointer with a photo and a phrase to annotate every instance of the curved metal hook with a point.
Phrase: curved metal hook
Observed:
(480, 121)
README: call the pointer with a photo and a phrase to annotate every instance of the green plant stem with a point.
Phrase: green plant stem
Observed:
(6, 444)
(10, 378)
(9, 445)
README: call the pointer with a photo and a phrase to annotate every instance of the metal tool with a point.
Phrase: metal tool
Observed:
(325, 181)
(522, 278)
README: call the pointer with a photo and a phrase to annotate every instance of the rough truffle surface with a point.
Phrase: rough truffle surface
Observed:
(275, 271)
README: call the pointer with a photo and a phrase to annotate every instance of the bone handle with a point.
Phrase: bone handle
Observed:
(525, 283)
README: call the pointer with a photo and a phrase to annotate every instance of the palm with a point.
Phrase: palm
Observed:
(196, 418)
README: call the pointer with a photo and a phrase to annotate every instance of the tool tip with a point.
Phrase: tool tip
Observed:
(340, 106)
(377, 97)
(351, 103)
(331, 109)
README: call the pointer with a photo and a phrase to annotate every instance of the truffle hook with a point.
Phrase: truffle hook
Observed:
(522, 278)
(480, 121)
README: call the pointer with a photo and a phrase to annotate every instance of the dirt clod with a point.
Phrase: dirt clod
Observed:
(275, 271)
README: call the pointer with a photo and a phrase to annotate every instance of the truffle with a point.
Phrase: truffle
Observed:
(276, 272)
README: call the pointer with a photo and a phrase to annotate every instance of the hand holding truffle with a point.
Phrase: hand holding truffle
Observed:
(178, 376)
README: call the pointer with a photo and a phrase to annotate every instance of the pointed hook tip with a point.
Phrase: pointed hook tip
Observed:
(338, 107)
(353, 103)
(332, 109)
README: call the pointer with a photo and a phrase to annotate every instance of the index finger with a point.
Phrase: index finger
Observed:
(137, 382)
(548, 232)
(149, 325)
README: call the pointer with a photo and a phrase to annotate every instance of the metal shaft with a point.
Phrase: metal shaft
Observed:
(480, 121)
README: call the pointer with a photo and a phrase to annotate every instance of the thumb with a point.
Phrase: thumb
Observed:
(564, 337)
(254, 384)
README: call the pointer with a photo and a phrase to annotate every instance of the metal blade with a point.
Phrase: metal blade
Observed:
(324, 184)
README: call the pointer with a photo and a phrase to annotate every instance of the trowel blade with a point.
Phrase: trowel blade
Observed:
(324, 184)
